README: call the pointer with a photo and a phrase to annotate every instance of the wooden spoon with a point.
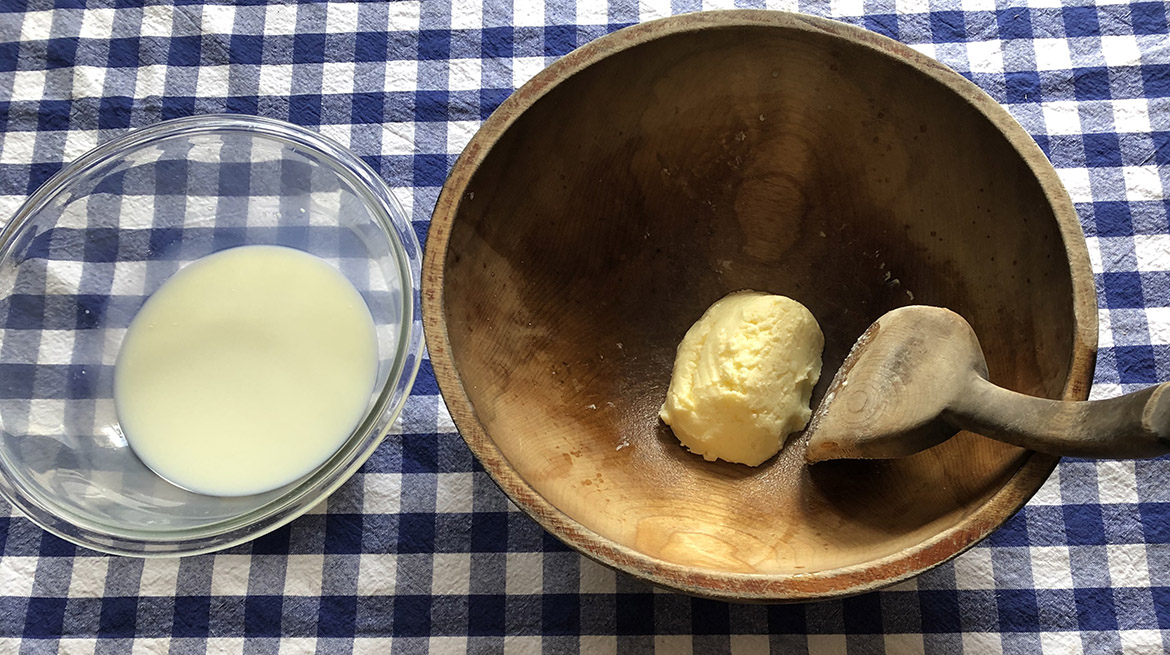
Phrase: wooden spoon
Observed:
(917, 376)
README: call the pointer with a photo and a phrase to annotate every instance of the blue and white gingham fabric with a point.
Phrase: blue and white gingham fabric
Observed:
(420, 552)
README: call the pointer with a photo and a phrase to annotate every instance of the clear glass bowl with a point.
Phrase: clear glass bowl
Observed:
(85, 251)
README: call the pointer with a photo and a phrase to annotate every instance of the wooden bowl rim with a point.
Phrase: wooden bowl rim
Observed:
(755, 587)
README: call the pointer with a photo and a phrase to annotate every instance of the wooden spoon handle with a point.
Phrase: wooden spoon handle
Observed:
(1135, 425)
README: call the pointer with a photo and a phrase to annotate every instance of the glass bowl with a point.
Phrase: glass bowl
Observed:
(84, 252)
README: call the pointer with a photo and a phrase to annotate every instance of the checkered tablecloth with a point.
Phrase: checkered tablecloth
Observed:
(420, 551)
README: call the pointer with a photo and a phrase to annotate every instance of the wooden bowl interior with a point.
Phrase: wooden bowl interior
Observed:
(620, 205)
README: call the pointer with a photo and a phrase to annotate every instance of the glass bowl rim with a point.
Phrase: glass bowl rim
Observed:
(386, 212)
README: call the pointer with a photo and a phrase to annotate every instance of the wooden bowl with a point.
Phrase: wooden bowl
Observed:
(610, 200)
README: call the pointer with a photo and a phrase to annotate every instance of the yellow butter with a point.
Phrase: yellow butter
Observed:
(743, 376)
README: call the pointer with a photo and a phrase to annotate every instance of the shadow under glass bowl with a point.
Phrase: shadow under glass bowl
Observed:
(84, 253)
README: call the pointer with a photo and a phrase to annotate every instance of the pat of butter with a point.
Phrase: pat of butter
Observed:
(743, 376)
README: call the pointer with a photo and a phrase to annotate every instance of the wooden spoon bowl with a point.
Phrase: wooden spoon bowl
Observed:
(640, 178)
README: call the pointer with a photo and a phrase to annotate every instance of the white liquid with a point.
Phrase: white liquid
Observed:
(246, 370)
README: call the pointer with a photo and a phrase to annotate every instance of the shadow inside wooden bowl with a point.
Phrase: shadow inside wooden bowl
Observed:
(604, 206)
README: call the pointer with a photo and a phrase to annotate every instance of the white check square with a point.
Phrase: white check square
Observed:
(1158, 319)
(459, 133)
(464, 74)
(1131, 115)
(401, 76)
(654, 9)
(673, 644)
(911, 6)
(17, 147)
(88, 578)
(384, 645)
(218, 19)
(1128, 565)
(750, 644)
(1061, 643)
(1105, 336)
(339, 133)
(910, 584)
(280, 19)
(1121, 50)
(524, 68)
(404, 16)
(819, 644)
(150, 645)
(1094, 248)
(984, 643)
(1050, 567)
(1076, 182)
(28, 85)
(36, 26)
(405, 196)
(1142, 642)
(978, 5)
(444, 423)
(229, 575)
(212, 81)
(1049, 492)
(839, 8)
(1102, 391)
(905, 644)
(524, 573)
(398, 139)
(453, 493)
(228, 645)
(451, 574)
(592, 12)
(160, 576)
(97, 23)
(338, 78)
(466, 14)
(341, 17)
(1117, 479)
(1052, 54)
(927, 49)
(603, 644)
(79, 142)
(56, 347)
(10, 203)
(377, 574)
(302, 575)
(157, 21)
(1062, 117)
(276, 80)
(150, 81)
(1143, 183)
(45, 418)
(296, 645)
(523, 645)
(65, 275)
(985, 56)
(973, 570)
(381, 493)
(528, 13)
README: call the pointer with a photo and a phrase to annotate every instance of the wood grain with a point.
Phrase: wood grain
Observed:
(614, 197)
(917, 376)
